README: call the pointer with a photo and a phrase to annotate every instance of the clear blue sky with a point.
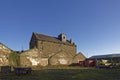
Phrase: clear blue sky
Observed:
(94, 25)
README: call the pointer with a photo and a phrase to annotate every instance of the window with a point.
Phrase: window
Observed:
(63, 37)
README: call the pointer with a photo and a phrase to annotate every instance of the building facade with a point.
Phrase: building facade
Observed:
(58, 50)
(51, 45)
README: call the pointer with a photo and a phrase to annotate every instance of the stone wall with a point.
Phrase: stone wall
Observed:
(4, 55)
(61, 58)
(33, 42)
(33, 57)
(78, 57)
(47, 54)
(51, 48)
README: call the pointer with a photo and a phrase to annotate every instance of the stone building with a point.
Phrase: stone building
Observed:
(78, 57)
(44, 50)
(58, 50)
(51, 45)
(32, 57)
(4, 55)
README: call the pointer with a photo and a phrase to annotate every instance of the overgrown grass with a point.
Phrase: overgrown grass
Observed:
(66, 74)
(14, 59)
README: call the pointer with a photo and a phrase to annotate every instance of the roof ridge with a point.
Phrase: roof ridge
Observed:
(5, 46)
(44, 34)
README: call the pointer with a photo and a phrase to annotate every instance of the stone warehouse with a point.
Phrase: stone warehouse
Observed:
(48, 50)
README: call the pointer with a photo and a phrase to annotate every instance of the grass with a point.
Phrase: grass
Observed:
(66, 74)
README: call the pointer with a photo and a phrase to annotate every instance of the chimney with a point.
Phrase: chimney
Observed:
(71, 41)
(62, 37)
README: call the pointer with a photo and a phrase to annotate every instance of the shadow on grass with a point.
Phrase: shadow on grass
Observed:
(66, 74)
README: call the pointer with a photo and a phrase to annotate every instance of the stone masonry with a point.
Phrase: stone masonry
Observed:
(4, 55)
(44, 50)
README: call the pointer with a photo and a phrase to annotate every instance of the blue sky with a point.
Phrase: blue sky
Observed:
(94, 25)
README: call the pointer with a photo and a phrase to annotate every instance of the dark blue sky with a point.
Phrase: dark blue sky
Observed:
(94, 25)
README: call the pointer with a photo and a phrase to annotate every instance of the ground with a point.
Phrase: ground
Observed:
(66, 74)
